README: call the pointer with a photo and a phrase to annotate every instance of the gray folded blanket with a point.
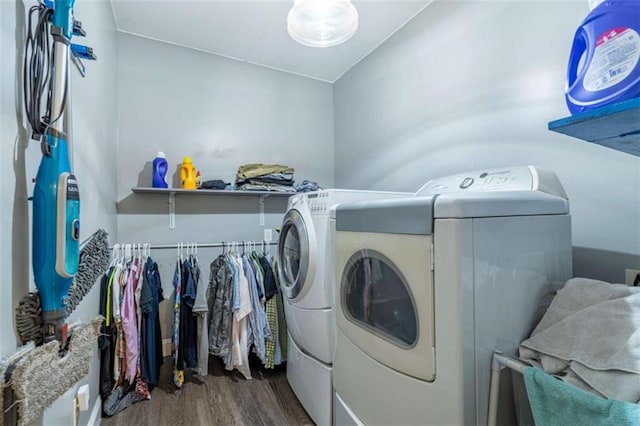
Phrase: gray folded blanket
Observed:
(590, 337)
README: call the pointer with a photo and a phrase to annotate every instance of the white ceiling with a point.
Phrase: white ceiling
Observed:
(256, 31)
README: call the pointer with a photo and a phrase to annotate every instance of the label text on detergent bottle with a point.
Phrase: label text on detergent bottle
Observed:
(616, 55)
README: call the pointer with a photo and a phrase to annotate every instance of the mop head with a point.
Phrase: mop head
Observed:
(29, 320)
(9, 412)
(42, 376)
(94, 260)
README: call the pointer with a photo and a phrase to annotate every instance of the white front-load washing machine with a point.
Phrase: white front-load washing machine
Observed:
(305, 275)
(428, 287)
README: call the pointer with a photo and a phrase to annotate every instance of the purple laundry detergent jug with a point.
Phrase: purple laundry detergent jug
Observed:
(604, 66)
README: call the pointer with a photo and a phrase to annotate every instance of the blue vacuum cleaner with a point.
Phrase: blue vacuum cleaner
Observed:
(56, 197)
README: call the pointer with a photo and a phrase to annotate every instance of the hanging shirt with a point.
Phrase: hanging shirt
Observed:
(270, 346)
(257, 269)
(201, 310)
(220, 299)
(178, 373)
(130, 321)
(270, 287)
(188, 332)
(150, 298)
(120, 281)
(240, 329)
(106, 341)
(258, 324)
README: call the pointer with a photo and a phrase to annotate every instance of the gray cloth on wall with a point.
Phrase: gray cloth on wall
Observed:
(590, 337)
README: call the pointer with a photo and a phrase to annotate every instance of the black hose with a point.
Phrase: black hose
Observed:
(37, 70)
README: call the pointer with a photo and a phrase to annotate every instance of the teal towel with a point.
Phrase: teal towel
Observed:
(554, 402)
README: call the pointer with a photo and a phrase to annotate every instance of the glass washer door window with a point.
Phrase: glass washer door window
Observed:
(375, 296)
(293, 254)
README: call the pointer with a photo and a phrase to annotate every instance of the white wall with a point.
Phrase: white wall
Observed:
(95, 138)
(222, 113)
(470, 85)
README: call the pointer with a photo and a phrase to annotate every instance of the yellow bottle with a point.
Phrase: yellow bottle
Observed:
(187, 174)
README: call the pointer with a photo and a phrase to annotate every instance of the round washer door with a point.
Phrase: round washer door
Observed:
(294, 251)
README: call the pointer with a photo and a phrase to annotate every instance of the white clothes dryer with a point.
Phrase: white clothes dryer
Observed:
(428, 287)
(305, 261)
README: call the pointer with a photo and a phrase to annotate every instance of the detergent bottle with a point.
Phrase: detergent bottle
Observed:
(187, 174)
(604, 66)
(160, 168)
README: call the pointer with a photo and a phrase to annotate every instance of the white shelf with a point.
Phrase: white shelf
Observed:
(172, 192)
(140, 190)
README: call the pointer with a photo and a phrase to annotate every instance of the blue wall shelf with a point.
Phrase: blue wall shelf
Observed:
(616, 126)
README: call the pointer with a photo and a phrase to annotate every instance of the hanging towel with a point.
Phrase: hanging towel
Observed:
(554, 402)
(590, 336)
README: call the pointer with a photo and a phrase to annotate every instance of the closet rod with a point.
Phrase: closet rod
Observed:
(204, 245)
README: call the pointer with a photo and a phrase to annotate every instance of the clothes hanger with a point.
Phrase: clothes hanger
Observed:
(114, 255)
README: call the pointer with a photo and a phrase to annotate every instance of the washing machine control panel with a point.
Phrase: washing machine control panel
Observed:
(318, 202)
(521, 178)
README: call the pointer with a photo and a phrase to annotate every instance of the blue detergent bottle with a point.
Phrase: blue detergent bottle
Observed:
(160, 168)
(604, 66)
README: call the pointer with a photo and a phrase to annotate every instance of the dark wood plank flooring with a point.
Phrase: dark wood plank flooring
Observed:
(221, 398)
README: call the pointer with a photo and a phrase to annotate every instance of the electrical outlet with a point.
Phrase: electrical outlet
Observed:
(268, 235)
(83, 398)
(630, 275)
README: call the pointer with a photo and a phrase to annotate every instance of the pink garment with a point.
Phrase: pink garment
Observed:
(130, 322)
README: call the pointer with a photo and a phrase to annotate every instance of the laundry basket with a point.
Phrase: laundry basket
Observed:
(554, 401)
(523, 414)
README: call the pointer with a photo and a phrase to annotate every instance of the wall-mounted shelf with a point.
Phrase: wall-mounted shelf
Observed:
(615, 126)
(140, 190)
(172, 192)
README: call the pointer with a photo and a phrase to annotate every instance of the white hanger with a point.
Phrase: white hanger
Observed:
(114, 255)
(120, 262)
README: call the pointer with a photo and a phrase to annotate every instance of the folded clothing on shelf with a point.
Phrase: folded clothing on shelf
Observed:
(308, 186)
(265, 177)
(265, 187)
(214, 184)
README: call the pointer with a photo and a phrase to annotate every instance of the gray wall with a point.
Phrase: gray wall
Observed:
(222, 113)
(471, 85)
(95, 136)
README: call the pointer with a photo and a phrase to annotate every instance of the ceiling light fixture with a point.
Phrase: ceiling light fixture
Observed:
(322, 23)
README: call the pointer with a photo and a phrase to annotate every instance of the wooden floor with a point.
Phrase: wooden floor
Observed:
(221, 398)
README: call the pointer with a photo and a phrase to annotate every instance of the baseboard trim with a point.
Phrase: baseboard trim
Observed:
(95, 418)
